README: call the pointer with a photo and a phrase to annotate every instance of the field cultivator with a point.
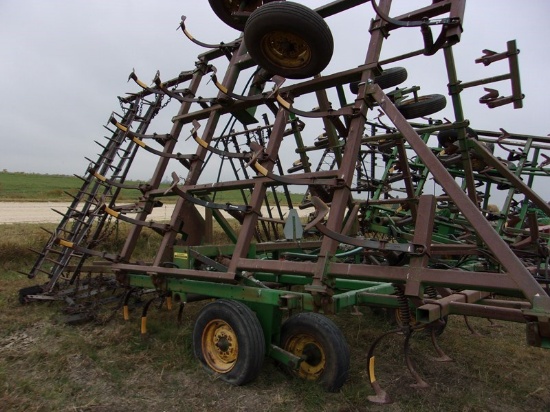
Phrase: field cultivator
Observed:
(398, 209)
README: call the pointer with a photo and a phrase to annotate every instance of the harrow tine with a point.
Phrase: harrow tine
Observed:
(420, 383)
(442, 356)
(470, 328)
(381, 397)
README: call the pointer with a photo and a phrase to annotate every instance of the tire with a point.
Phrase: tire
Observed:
(447, 137)
(288, 39)
(224, 9)
(229, 342)
(424, 106)
(393, 76)
(322, 344)
(30, 290)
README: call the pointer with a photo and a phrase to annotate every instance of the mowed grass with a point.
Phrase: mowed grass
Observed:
(36, 187)
(46, 365)
(30, 187)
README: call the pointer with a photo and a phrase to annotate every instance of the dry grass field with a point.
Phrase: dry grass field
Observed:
(47, 365)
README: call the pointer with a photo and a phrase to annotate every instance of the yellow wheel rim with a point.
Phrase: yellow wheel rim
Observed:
(220, 346)
(286, 49)
(313, 354)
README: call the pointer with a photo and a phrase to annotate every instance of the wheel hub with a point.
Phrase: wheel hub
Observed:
(286, 49)
(313, 356)
(220, 346)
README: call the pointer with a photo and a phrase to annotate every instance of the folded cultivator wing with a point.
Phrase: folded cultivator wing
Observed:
(396, 208)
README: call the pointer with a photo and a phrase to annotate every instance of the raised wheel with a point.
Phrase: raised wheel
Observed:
(224, 9)
(393, 76)
(288, 39)
(447, 137)
(448, 140)
(228, 341)
(423, 106)
(320, 343)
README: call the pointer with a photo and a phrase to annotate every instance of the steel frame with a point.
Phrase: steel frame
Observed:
(335, 269)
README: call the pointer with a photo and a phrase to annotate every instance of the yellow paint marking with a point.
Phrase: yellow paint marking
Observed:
(371, 370)
(121, 127)
(99, 177)
(139, 142)
(66, 243)
(262, 170)
(283, 102)
(111, 212)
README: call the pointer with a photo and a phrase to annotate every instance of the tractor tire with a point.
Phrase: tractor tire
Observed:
(318, 340)
(446, 137)
(224, 9)
(424, 106)
(228, 341)
(30, 290)
(288, 39)
(393, 76)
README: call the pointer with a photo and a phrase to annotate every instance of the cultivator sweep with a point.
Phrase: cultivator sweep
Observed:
(399, 209)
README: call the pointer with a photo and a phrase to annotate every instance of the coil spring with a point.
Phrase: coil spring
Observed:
(404, 310)
(431, 292)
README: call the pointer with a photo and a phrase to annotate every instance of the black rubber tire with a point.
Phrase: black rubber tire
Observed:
(30, 290)
(245, 342)
(321, 337)
(393, 76)
(304, 33)
(446, 137)
(224, 9)
(425, 106)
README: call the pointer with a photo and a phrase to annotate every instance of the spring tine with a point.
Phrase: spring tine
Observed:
(420, 383)
(442, 356)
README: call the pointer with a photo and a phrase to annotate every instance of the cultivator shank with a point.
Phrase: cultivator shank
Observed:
(399, 209)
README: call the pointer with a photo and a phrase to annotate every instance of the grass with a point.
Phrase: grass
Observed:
(46, 365)
(30, 187)
(35, 187)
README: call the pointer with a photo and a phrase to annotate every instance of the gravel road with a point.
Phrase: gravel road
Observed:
(41, 212)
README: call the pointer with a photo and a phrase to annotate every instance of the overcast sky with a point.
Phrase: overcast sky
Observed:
(63, 63)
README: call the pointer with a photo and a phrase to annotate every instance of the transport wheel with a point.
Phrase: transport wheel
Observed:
(31, 290)
(448, 140)
(424, 106)
(318, 341)
(224, 9)
(450, 136)
(288, 39)
(228, 341)
(388, 78)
